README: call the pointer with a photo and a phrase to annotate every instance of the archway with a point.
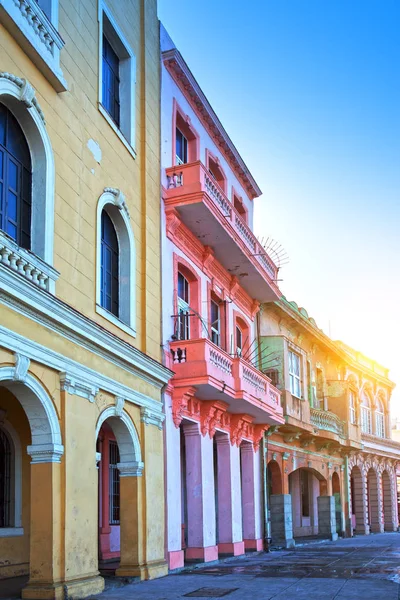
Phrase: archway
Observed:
(28, 420)
(305, 486)
(338, 505)
(120, 465)
(274, 478)
(358, 523)
(387, 492)
(374, 514)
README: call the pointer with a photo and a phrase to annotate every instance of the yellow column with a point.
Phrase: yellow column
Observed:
(45, 581)
(131, 533)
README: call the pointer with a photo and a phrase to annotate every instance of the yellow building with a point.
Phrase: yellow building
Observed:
(80, 377)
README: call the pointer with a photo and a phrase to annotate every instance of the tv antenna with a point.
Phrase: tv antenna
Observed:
(275, 250)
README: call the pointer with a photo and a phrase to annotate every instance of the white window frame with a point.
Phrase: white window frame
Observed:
(294, 377)
(352, 408)
(113, 201)
(216, 330)
(184, 308)
(380, 424)
(366, 420)
(127, 129)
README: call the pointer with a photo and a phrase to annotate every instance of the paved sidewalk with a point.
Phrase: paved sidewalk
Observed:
(361, 568)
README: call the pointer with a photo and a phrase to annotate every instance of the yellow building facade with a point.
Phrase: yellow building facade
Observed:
(80, 293)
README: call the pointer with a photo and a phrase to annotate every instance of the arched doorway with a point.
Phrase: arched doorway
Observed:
(358, 523)
(305, 486)
(274, 478)
(120, 467)
(338, 505)
(387, 493)
(374, 514)
(28, 420)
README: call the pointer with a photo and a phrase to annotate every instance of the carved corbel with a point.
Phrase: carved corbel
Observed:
(213, 414)
(21, 367)
(234, 286)
(183, 402)
(208, 259)
(240, 428)
(173, 222)
(258, 434)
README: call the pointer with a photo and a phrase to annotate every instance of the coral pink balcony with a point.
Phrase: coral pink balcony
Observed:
(207, 212)
(216, 375)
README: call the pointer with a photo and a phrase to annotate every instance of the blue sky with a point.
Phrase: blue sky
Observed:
(309, 91)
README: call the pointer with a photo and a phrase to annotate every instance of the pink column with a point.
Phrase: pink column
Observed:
(251, 497)
(230, 537)
(174, 489)
(105, 529)
(200, 495)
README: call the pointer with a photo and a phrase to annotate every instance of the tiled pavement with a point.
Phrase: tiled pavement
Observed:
(362, 568)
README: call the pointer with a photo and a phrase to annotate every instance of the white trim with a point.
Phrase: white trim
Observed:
(127, 132)
(127, 438)
(113, 202)
(42, 308)
(45, 453)
(17, 476)
(19, 96)
(11, 532)
(150, 418)
(119, 133)
(78, 387)
(58, 362)
(38, 406)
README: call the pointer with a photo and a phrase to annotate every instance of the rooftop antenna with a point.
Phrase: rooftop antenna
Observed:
(275, 250)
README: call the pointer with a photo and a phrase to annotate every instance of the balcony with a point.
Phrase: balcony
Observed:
(218, 376)
(327, 421)
(207, 212)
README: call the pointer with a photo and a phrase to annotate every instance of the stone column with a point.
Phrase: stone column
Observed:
(46, 535)
(251, 498)
(281, 520)
(327, 517)
(174, 491)
(131, 537)
(361, 505)
(375, 499)
(200, 495)
(230, 539)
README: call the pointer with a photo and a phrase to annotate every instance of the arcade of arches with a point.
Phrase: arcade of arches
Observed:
(310, 494)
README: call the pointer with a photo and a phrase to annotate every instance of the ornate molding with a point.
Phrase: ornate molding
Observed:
(119, 199)
(119, 405)
(130, 469)
(213, 414)
(150, 417)
(27, 92)
(22, 363)
(78, 387)
(241, 427)
(45, 453)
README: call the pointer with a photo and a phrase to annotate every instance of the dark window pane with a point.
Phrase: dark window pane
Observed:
(12, 176)
(11, 230)
(3, 120)
(109, 296)
(12, 206)
(110, 99)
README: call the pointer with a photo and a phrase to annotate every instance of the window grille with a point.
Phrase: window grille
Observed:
(113, 482)
(294, 374)
(5, 481)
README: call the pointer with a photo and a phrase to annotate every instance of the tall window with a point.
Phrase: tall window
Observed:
(5, 481)
(111, 81)
(181, 148)
(305, 494)
(183, 308)
(352, 405)
(15, 180)
(320, 387)
(109, 275)
(380, 419)
(215, 323)
(239, 341)
(294, 374)
(366, 422)
(113, 483)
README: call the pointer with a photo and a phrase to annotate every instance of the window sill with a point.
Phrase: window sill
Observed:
(114, 320)
(11, 531)
(119, 133)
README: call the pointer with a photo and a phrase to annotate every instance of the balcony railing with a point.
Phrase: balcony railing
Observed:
(202, 363)
(327, 421)
(193, 178)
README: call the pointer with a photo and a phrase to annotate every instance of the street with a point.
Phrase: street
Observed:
(365, 567)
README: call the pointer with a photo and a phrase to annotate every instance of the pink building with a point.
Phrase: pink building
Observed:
(215, 276)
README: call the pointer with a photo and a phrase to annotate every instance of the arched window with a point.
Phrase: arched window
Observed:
(366, 423)
(109, 292)
(15, 180)
(380, 418)
(6, 507)
(115, 262)
(183, 307)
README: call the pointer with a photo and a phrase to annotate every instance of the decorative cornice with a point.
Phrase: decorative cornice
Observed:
(150, 417)
(45, 453)
(27, 93)
(21, 367)
(130, 469)
(78, 387)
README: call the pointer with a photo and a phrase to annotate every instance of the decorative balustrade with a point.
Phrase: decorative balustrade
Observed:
(26, 264)
(40, 24)
(256, 380)
(194, 177)
(328, 421)
(221, 362)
